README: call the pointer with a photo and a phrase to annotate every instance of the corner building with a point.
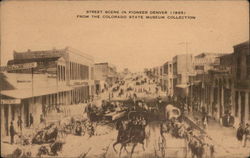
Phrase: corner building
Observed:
(60, 77)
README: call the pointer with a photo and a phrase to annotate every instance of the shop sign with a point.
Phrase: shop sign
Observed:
(10, 101)
(22, 66)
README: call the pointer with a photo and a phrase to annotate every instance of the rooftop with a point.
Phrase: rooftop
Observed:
(246, 43)
(20, 61)
(52, 53)
(105, 63)
(208, 54)
(5, 85)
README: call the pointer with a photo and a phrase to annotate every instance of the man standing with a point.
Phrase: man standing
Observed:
(247, 134)
(240, 133)
(12, 133)
(230, 120)
(19, 123)
(31, 120)
(78, 130)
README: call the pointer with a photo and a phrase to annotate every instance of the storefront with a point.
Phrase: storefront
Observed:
(15, 103)
(10, 110)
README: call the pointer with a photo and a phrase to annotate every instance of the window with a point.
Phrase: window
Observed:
(92, 73)
(63, 72)
(70, 70)
(81, 72)
(165, 69)
(175, 68)
(85, 72)
(238, 72)
(59, 72)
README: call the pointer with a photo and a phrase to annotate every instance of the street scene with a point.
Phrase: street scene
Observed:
(113, 98)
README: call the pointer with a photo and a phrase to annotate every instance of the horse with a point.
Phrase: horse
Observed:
(137, 135)
(123, 136)
(133, 134)
(51, 134)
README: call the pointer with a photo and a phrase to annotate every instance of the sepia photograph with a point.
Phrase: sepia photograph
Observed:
(124, 79)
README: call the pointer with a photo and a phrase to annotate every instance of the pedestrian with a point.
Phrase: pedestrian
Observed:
(205, 122)
(31, 120)
(246, 134)
(78, 130)
(12, 133)
(240, 132)
(46, 109)
(20, 123)
(230, 120)
(41, 119)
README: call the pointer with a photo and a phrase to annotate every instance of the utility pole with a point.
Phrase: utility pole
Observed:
(187, 68)
(33, 99)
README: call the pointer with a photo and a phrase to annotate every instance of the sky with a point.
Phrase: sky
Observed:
(126, 43)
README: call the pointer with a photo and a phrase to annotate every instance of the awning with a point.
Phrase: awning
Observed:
(182, 86)
(79, 86)
(27, 93)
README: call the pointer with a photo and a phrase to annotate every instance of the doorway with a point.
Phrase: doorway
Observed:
(6, 117)
(26, 112)
(242, 111)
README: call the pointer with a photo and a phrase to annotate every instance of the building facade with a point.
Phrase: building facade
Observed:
(106, 71)
(182, 70)
(241, 82)
(206, 61)
(168, 77)
(43, 81)
(224, 87)
(207, 69)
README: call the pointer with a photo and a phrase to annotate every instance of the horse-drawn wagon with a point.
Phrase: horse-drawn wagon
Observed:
(171, 111)
(131, 130)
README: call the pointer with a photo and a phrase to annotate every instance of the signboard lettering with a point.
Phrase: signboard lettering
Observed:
(22, 66)
(10, 101)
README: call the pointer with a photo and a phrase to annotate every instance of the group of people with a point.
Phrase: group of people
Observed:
(174, 127)
(196, 141)
(127, 128)
(243, 133)
(138, 122)
(80, 127)
(13, 131)
(227, 120)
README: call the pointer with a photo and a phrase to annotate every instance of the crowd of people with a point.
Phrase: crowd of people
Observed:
(196, 141)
